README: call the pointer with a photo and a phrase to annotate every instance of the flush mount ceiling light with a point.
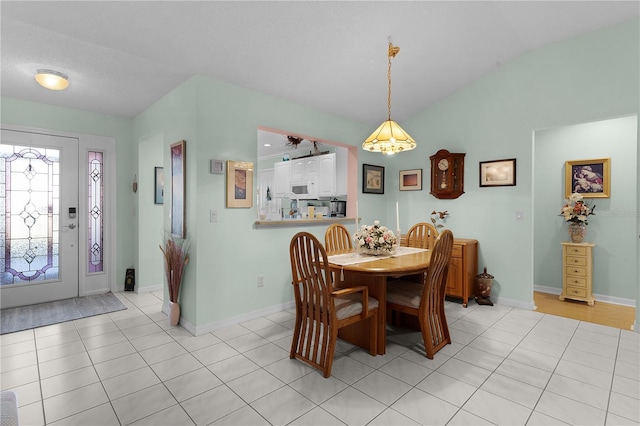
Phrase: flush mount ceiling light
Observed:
(389, 138)
(52, 80)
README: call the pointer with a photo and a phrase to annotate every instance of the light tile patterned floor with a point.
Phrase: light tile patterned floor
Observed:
(506, 366)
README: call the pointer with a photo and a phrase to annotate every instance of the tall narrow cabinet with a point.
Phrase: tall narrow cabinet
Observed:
(577, 272)
(462, 269)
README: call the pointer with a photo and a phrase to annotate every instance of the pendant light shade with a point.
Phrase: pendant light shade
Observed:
(389, 138)
(52, 80)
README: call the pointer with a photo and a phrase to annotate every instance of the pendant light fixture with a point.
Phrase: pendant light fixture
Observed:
(52, 80)
(389, 138)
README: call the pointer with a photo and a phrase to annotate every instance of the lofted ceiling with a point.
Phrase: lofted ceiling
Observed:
(121, 57)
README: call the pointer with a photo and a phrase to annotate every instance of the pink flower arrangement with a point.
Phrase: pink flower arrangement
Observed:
(375, 238)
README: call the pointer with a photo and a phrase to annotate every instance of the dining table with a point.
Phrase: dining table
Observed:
(351, 269)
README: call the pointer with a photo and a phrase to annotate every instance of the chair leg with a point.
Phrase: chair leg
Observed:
(296, 338)
(330, 352)
(428, 341)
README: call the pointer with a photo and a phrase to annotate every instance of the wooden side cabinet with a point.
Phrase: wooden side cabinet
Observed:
(462, 269)
(577, 272)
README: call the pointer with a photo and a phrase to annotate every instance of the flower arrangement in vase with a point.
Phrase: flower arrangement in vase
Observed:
(176, 257)
(576, 211)
(375, 240)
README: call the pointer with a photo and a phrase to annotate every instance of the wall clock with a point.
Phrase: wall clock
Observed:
(447, 174)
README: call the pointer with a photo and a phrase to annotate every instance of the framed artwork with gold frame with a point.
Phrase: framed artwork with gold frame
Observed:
(589, 178)
(239, 184)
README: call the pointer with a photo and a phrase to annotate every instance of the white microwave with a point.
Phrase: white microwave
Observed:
(305, 189)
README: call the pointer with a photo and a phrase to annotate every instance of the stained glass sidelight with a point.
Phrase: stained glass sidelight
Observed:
(95, 219)
(30, 204)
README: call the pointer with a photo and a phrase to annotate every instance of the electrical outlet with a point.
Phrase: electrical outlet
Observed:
(260, 280)
(213, 215)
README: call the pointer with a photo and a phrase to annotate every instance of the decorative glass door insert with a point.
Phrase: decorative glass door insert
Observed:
(31, 203)
(38, 227)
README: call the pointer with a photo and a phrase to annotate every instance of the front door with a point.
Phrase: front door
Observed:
(39, 222)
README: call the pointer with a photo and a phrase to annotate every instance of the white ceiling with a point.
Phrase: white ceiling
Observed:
(123, 56)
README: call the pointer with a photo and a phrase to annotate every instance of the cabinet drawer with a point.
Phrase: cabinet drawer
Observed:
(576, 291)
(576, 251)
(576, 261)
(576, 271)
(576, 282)
(456, 251)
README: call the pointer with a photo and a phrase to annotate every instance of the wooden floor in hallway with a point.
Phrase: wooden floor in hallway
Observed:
(600, 313)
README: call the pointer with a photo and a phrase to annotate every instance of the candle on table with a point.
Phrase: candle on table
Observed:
(356, 216)
(397, 216)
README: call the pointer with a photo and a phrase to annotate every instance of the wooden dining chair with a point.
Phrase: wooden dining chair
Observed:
(337, 238)
(422, 235)
(321, 310)
(426, 300)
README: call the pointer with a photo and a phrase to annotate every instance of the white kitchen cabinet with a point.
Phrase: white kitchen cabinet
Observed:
(342, 175)
(327, 175)
(304, 169)
(281, 178)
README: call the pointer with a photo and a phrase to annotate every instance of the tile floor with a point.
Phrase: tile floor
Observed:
(506, 366)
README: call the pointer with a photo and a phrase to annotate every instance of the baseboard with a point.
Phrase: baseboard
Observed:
(227, 322)
(514, 303)
(148, 288)
(599, 297)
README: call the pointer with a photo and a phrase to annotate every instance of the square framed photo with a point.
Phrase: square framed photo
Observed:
(498, 172)
(158, 185)
(239, 184)
(372, 179)
(411, 180)
(590, 178)
(178, 188)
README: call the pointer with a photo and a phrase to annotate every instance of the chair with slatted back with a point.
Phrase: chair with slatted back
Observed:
(321, 309)
(426, 300)
(422, 235)
(337, 238)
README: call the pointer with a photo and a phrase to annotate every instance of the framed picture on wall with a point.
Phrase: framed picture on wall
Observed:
(239, 184)
(158, 185)
(372, 179)
(411, 180)
(178, 187)
(590, 178)
(498, 172)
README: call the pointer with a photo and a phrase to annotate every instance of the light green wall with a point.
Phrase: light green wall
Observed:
(150, 215)
(42, 116)
(584, 79)
(220, 121)
(614, 271)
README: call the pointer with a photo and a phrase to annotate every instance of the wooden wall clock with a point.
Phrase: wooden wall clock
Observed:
(447, 174)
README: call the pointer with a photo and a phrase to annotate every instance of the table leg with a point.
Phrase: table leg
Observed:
(358, 333)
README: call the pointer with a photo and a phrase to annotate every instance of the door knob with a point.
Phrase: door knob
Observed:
(72, 226)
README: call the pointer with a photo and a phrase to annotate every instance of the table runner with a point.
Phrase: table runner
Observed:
(353, 258)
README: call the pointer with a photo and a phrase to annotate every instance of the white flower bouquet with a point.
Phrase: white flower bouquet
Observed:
(375, 240)
(576, 209)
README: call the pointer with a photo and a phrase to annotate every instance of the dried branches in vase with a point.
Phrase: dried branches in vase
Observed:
(175, 259)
